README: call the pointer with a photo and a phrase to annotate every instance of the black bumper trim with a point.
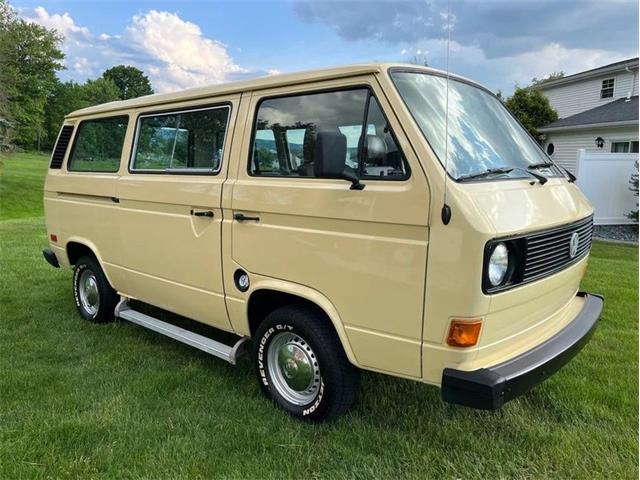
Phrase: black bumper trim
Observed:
(489, 388)
(50, 257)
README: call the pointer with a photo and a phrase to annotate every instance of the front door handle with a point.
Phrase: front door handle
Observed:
(241, 217)
(206, 213)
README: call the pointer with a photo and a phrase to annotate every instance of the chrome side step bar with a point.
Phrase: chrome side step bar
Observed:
(208, 345)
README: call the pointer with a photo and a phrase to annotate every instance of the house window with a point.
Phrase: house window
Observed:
(624, 147)
(607, 88)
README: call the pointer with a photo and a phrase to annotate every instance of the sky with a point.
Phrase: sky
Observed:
(182, 44)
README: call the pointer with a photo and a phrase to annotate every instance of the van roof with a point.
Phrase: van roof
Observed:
(253, 84)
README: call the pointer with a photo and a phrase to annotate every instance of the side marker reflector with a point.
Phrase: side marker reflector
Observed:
(464, 333)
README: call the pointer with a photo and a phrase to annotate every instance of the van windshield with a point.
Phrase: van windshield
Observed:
(482, 133)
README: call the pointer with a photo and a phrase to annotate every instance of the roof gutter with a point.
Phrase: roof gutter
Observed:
(588, 74)
(586, 126)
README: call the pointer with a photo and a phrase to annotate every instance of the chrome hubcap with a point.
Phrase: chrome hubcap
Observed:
(293, 368)
(88, 290)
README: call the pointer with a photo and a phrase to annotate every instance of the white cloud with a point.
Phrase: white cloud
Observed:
(184, 57)
(83, 66)
(174, 53)
(505, 72)
(64, 24)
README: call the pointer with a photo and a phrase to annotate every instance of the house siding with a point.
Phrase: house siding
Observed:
(567, 143)
(582, 95)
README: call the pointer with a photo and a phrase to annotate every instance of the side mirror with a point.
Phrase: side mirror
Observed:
(329, 158)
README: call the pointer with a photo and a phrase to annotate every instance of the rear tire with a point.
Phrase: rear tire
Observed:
(95, 298)
(301, 365)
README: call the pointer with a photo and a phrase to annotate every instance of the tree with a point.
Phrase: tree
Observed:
(101, 90)
(536, 82)
(29, 59)
(69, 96)
(532, 108)
(130, 81)
(634, 188)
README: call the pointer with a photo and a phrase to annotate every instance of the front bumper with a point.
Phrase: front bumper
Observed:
(489, 388)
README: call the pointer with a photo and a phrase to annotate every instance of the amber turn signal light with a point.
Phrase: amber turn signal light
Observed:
(464, 333)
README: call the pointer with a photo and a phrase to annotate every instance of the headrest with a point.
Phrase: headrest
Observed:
(309, 143)
(376, 150)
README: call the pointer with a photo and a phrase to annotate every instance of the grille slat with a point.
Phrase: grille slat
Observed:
(547, 258)
(61, 147)
(559, 236)
(548, 252)
(548, 246)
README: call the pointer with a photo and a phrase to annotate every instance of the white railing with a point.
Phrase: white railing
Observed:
(604, 179)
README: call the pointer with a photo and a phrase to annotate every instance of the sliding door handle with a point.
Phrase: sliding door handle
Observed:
(206, 213)
(241, 217)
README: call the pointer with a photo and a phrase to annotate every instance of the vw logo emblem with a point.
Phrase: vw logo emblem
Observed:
(573, 245)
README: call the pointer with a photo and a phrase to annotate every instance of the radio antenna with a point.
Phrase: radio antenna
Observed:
(446, 209)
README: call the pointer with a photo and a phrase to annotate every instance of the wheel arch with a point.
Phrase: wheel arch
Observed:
(266, 296)
(76, 248)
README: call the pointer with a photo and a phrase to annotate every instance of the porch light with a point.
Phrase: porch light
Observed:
(599, 142)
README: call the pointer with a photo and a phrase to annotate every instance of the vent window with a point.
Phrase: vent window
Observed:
(61, 147)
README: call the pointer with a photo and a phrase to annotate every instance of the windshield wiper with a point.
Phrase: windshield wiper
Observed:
(484, 173)
(570, 176)
(502, 170)
(538, 166)
(541, 178)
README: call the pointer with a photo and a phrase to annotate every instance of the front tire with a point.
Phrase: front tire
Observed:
(94, 297)
(301, 365)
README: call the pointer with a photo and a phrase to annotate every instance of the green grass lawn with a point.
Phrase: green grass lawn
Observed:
(79, 400)
(21, 181)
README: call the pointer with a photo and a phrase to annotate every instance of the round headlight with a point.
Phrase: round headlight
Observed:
(498, 264)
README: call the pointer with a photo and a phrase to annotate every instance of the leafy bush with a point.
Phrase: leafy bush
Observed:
(532, 108)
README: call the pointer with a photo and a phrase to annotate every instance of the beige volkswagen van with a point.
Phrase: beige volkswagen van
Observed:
(342, 220)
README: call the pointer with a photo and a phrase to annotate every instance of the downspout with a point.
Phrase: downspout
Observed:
(633, 82)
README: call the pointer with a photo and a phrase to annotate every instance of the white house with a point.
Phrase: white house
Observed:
(598, 112)
(596, 136)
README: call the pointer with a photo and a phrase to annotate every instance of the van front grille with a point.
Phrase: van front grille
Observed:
(550, 251)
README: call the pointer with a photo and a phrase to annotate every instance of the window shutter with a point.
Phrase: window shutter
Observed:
(61, 147)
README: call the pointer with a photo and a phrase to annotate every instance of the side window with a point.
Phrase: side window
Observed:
(293, 123)
(286, 128)
(98, 145)
(265, 154)
(382, 157)
(191, 140)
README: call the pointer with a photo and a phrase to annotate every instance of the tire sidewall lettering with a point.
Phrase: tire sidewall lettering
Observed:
(76, 289)
(263, 347)
(76, 286)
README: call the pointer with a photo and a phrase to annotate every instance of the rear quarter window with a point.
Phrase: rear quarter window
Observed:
(98, 145)
(190, 141)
